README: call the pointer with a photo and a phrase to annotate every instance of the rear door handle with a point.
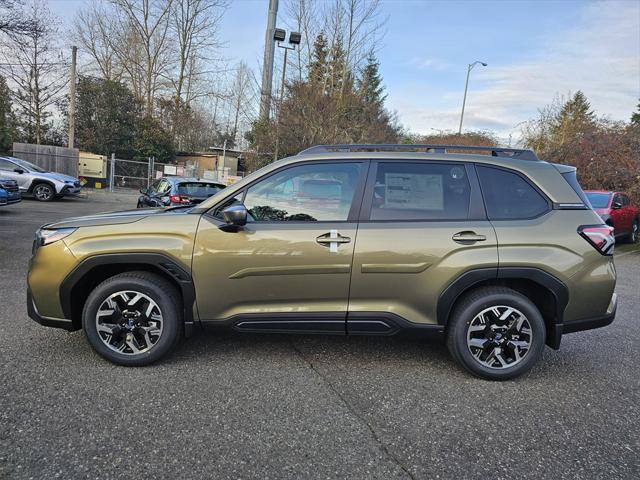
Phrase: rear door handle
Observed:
(468, 237)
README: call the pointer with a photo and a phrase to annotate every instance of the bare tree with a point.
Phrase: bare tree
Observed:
(33, 64)
(241, 96)
(143, 44)
(93, 31)
(358, 27)
(304, 18)
(11, 21)
(195, 24)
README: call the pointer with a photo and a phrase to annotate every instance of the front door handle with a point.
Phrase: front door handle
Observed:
(332, 240)
(468, 237)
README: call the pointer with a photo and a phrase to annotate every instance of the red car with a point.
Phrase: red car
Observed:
(617, 210)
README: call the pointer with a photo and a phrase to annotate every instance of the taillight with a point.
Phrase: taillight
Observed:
(600, 236)
(178, 199)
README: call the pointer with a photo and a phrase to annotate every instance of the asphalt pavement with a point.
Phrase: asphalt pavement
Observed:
(231, 406)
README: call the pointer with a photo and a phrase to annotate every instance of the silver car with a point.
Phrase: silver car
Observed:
(43, 185)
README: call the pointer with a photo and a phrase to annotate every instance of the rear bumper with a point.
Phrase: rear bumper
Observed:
(594, 322)
(63, 323)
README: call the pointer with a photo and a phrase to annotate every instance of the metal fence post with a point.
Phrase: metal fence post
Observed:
(112, 171)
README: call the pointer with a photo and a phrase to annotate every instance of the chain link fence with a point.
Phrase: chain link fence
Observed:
(135, 174)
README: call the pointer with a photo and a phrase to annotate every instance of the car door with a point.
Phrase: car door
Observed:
(627, 212)
(7, 170)
(289, 268)
(618, 215)
(422, 226)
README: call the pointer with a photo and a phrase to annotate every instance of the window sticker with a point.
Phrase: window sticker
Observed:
(413, 191)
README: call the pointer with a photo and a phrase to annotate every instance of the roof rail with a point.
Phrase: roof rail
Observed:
(521, 154)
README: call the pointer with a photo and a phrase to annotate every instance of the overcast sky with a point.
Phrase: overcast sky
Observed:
(535, 51)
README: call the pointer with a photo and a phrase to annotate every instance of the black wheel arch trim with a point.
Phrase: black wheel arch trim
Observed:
(38, 181)
(161, 262)
(473, 277)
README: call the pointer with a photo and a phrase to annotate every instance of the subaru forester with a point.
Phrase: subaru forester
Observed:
(495, 251)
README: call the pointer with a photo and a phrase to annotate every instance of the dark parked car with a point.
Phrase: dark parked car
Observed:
(617, 210)
(9, 192)
(170, 191)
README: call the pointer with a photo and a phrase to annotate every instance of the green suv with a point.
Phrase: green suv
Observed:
(497, 253)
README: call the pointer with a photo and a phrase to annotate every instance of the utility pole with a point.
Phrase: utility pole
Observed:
(72, 98)
(267, 64)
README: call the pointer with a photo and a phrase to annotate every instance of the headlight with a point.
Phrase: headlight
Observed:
(47, 236)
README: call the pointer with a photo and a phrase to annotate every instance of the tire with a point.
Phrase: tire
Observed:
(43, 192)
(475, 326)
(134, 323)
(633, 235)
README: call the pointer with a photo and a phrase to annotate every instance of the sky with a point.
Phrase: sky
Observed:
(535, 51)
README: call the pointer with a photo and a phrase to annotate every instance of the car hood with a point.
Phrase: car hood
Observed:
(61, 177)
(115, 218)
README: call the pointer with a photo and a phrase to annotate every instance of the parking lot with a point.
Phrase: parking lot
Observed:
(227, 405)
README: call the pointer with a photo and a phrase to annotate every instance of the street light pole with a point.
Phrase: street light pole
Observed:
(284, 73)
(466, 86)
(294, 39)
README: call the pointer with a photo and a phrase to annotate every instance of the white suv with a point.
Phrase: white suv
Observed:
(43, 185)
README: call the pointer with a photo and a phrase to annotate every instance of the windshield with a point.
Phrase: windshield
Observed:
(198, 189)
(29, 165)
(599, 200)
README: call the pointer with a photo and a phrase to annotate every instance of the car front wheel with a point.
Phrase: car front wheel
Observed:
(43, 192)
(133, 319)
(496, 333)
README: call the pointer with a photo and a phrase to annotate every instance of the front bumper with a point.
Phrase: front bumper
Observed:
(70, 190)
(32, 310)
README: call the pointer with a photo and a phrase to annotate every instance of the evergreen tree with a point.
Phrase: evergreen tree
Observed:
(635, 117)
(336, 68)
(7, 118)
(318, 65)
(370, 86)
(107, 115)
(575, 118)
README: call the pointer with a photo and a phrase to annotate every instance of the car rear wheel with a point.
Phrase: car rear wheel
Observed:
(496, 333)
(133, 319)
(43, 192)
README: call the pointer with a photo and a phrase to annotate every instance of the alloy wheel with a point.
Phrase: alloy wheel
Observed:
(499, 337)
(129, 322)
(43, 192)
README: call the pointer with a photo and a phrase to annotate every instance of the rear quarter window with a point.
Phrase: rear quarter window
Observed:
(508, 196)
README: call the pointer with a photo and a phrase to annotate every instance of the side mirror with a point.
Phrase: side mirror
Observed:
(143, 191)
(235, 216)
(616, 205)
(18, 170)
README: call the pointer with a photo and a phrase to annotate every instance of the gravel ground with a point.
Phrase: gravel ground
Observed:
(229, 405)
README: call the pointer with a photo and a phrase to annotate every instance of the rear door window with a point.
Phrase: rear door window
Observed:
(508, 196)
(406, 191)
(198, 189)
